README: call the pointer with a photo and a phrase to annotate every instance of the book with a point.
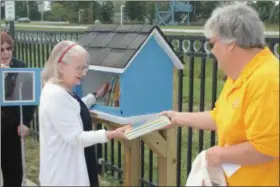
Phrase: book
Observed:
(112, 98)
(147, 126)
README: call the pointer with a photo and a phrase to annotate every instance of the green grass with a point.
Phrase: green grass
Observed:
(33, 161)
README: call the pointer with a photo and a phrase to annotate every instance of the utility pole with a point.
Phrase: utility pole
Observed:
(122, 7)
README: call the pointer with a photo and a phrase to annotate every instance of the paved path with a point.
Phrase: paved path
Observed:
(268, 33)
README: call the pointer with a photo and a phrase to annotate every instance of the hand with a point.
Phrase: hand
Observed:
(213, 157)
(103, 90)
(25, 130)
(172, 115)
(4, 66)
(119, 133)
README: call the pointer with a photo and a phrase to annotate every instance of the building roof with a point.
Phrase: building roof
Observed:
(114, 45)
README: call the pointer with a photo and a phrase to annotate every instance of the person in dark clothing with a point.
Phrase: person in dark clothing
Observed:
(11, 156)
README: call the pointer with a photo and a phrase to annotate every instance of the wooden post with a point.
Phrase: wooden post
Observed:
(132, 163)
(167, 166)
(132, 154)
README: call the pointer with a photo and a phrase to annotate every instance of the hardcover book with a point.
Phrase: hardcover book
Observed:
(147, 126)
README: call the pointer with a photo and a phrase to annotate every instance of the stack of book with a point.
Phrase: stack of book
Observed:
(113, 96)
(141, 128)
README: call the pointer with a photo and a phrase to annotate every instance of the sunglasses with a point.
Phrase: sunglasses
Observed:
(7, 49)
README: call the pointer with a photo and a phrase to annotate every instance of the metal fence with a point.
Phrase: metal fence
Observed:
(199, 85)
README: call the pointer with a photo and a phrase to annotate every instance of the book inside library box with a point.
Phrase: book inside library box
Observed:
(109, 103)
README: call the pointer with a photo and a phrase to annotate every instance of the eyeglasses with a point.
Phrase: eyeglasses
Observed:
(81, 69)
(7, 49)
(211, 44)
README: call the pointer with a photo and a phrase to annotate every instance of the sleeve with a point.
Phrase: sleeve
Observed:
(213, 112)
(28, 114)
(262, 116)
(89, 100)
(65, 116)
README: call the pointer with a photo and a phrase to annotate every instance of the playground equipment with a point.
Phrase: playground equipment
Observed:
(165, 12)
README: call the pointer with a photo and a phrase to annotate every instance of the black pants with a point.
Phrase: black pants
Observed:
(11, 161)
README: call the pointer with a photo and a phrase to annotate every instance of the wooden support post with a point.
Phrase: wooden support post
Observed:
(167, 166)
(132, 160)
(132, 163)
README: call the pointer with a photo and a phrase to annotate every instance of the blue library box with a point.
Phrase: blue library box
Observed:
(138, 63)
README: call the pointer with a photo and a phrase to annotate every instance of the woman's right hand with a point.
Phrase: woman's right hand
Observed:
(172, 115)
(3, 66)
(119, 133)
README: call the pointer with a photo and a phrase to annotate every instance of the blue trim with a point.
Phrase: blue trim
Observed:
(37, 89)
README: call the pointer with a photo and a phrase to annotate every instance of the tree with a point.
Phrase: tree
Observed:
(151, 10)
(264, 8)
(21, 9)
(274, 16)
(135, 10)
(107, 13)
(202, 9)
(58, 12)
(33, 11)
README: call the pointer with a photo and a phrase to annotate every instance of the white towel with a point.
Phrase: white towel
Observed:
(201, 175)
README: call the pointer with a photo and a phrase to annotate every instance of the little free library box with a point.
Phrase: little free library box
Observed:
(141, 67)
(137, 62)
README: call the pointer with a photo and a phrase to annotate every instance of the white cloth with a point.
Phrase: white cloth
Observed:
(212, 176)
(62, 139)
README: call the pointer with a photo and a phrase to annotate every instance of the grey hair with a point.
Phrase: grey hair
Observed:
(236, 22)
(50, 71)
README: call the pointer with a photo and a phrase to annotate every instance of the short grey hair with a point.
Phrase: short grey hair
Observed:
(50, 71)
(236, 22)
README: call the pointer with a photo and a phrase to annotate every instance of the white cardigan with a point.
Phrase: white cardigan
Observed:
(62, 139)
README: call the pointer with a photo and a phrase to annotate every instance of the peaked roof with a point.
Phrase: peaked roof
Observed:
(114, 45)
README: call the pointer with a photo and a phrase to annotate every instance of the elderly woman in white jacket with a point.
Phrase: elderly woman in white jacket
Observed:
(67, 156)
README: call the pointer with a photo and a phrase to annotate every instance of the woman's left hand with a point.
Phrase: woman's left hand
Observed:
(25, 130)
(213, 156)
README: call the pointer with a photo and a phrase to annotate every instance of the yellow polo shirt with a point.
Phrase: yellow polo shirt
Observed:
(248, 110)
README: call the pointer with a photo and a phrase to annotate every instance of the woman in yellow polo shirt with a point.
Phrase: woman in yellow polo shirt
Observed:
(246, 115)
